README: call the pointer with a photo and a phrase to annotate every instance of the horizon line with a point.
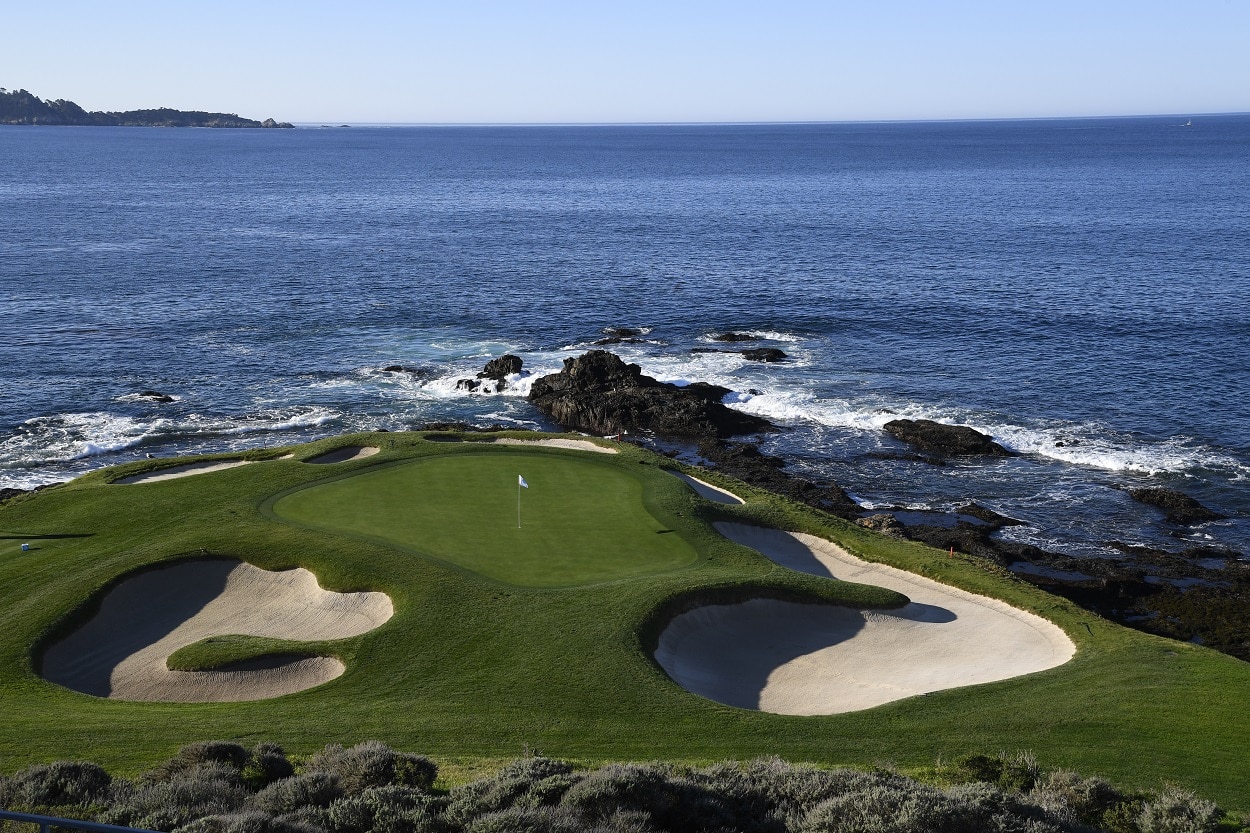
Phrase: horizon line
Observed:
(339, 123)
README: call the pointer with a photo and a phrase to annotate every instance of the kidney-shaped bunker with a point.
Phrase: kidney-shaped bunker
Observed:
(792, 658)
(121, 651)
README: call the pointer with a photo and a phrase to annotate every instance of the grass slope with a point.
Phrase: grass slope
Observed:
(481, 661)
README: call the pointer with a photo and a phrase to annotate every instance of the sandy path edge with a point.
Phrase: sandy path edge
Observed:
(810, 659)
(344, 454)
(185, 470)
(708, 491)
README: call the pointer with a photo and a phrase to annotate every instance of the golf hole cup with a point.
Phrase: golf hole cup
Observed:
(25, 547)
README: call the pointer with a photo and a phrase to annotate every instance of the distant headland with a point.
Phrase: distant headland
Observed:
(22, 107)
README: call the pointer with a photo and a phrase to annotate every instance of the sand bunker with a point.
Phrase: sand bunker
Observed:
(121, 651)
(790, 658)
(181, 471)
(708, 491)
(342, 455)
(576, 445)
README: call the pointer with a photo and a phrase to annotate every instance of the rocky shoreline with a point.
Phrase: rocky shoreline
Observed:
(1197, 594)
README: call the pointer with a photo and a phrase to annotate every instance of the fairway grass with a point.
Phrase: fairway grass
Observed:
(521, 642)
(576, 522)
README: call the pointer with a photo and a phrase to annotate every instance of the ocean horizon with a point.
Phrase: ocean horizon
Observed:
(1073, 287)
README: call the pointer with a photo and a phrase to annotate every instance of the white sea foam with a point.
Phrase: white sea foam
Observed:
(761, 335)
(65, 438)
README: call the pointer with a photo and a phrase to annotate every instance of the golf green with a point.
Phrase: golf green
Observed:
(577, 522)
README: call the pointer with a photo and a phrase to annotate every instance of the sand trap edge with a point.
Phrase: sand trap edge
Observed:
(708, 491)
(556, 442)
(344, 454)
(185, 470)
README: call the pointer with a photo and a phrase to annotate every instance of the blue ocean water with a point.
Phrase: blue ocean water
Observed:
(1077, 288)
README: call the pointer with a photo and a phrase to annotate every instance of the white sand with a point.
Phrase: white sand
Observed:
(576, 445)
(121, 651)
(789, 658)
(181, 471)
(708, 491)
(342, 455)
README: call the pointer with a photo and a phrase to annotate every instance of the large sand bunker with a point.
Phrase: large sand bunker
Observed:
(790, 658)
(185, 470)
(342, 455)
(121, 651)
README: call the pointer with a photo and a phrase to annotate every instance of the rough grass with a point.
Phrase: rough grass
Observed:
(473, 668)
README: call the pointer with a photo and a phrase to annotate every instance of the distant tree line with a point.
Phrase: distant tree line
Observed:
(22, 107)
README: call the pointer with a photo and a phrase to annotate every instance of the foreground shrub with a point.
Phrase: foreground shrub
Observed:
(195, 756)
(527, 782)
(1177, 811)
(58, 784)
(393, 809)
(373, 764)
(267, 764)
(313, 789)
(247, 822)
(208, 790)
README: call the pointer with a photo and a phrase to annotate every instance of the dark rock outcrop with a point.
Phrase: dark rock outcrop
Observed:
(764, 354)
(600, 394)
(603, 342)
(757, 354)
(497, 369)
(1179, 508)
(884, 523)
(156, 396)
(734, 337)
(746, 462)
(947, 440)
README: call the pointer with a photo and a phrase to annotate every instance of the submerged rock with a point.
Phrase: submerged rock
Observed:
(599, 394)
(156, 396)
(947, 440)
(734, 337)
(1179, 508)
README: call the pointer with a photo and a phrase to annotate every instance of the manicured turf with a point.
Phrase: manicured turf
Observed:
(576, 522)
(481, 663)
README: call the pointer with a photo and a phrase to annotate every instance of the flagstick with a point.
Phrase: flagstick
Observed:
(518, 503)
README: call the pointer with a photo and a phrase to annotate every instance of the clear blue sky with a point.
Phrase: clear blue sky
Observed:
(587, 61)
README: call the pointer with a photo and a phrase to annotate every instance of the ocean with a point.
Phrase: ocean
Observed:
(1078, 289)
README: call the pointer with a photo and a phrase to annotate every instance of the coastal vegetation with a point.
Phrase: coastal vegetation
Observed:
(489, 656)
(22, 107)
(225, 787)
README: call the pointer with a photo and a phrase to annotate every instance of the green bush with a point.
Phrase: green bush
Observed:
(267, 764)
(195, 755)
(1177, 811)
(246, 822)
(58, 784)
(165, 805)
(312, 789)
(392, 809)
(527, 782)
(373, 764)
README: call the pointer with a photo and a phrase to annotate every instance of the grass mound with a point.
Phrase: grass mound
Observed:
(577, 522)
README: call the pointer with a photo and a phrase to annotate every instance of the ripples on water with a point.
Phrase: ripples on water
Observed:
(1075, 288)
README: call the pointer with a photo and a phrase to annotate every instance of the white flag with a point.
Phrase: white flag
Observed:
(521, 481)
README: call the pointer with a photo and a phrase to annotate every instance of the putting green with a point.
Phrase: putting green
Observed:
(581, 522)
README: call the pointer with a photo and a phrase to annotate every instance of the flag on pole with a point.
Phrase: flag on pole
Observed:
(521, 481)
